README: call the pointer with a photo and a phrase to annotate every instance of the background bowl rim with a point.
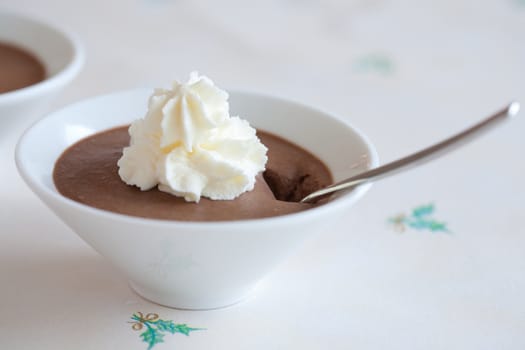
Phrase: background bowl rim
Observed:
(66, 74)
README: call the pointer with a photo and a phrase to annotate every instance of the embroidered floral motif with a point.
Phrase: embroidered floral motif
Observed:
(419, 219)
(375, 63)
(519, 3)
(156, 328)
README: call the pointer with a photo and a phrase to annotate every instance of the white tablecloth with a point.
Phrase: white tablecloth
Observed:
(407, 73)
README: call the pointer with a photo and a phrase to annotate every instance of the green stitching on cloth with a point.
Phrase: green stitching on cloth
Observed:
(156, 328)
(375, 63)
(519, 3)
(419, 219)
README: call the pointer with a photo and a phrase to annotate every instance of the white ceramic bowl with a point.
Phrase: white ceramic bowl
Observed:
(193, 265)
(60, 53)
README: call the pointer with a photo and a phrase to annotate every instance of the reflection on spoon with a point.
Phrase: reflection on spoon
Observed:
(417, 158)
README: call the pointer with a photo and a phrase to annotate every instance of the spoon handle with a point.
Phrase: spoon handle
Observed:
(420, 157)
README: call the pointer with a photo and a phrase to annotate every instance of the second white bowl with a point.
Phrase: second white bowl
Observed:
(61, 54)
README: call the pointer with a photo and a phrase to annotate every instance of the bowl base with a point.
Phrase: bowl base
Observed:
(174, 302)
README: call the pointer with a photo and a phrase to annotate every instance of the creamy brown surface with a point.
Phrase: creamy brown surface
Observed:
(87, 172)
(18, 68)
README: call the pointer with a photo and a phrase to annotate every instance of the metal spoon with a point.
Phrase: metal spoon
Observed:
(417, 158)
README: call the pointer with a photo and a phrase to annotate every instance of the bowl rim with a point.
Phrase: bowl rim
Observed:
(67, 73)
(345, 199)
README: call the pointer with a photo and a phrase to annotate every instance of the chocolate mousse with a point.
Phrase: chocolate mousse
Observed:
(18, 68)
(87, 172)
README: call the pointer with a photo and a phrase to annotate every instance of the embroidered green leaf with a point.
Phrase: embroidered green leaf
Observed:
(423, 210)
(418, 225)
(431, 225)
(156, 327)
(375, 63)
(519, 3)
(152, 337)
(165, 326)
(184, 329)
(437, 226)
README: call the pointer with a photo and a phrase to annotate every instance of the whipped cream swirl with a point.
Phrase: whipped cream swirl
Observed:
(188, 145)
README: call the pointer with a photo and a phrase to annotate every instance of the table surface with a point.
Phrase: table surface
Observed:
(433, 259)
